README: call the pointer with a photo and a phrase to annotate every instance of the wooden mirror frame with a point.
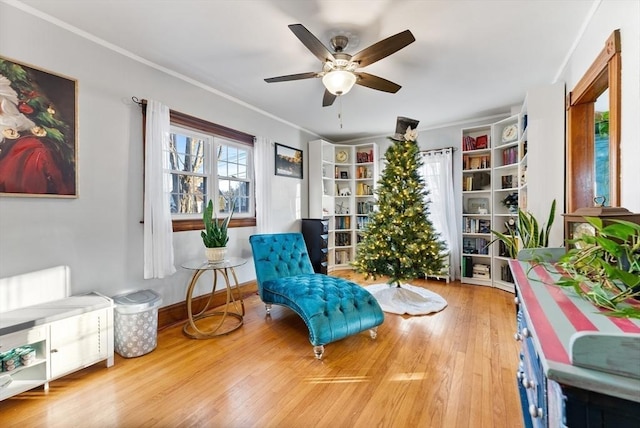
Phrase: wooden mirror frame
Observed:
(604, 73)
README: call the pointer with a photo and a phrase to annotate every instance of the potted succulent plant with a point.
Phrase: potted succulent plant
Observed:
(214, 235)
(604, 268)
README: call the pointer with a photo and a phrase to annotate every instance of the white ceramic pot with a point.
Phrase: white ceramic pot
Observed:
(216, 254)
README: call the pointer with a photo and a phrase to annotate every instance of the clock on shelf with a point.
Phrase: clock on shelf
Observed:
(576, 226)
(342, 156)
(509, 133)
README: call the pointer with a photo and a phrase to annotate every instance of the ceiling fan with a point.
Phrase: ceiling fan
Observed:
(339, 69)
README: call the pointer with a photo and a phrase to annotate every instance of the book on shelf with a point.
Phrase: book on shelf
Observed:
(343, 239)
(470, 143)
(365, 207)
(467, 266)
(510, 155)
(467, 183)
(475, 162)
(342, 257)
(508, 182)
(363, 189)
(481, 271)
(505, 273)
(476, 225)
(363, 172)
(364, 157)
(475, 246)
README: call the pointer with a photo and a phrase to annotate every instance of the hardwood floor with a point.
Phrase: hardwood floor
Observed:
(455, 368)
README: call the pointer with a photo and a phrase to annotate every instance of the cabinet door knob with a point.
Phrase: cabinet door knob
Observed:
(535, 412)
(527, 383)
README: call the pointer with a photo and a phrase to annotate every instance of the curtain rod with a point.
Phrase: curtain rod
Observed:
(139, 101)
(453, 149)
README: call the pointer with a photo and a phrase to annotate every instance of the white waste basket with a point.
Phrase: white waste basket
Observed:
(136, 322)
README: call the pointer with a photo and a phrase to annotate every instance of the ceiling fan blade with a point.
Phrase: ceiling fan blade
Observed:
(328, 98)
(378, 83)
(312, 43)
(288, 77)
(383, 48)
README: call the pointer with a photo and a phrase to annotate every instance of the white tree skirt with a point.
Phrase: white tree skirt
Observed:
(407, 299)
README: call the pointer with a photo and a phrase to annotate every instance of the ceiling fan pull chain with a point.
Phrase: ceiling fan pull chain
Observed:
(340, 112)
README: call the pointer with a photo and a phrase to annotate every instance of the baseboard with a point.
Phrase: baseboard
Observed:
(177, 313)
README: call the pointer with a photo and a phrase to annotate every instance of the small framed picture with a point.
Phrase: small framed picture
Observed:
(478, 206)
(344, 174)
(288, 161)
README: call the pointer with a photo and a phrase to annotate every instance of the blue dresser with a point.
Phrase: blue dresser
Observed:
(578, 367)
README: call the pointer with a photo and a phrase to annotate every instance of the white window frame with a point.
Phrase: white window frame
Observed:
(212, 143)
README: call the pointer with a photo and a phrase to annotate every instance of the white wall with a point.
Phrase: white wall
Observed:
(99, 234)
(612, 15)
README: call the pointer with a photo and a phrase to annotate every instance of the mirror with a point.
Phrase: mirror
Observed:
(593, 108)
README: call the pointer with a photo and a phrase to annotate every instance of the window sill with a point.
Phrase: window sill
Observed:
(193, 224)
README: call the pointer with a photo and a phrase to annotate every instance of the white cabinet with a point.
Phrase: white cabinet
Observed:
(341, 189)
(78, 342)
(35, 373)
(61, 336)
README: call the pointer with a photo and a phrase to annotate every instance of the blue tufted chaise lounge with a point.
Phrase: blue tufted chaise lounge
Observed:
(332, 308)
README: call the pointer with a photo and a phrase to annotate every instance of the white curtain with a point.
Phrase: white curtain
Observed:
(158, 232)
(437, 170)
(264, 164)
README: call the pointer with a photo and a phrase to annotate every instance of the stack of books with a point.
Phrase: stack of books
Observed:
(481, 271)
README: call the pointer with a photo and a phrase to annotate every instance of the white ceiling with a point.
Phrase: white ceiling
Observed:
(470, 59)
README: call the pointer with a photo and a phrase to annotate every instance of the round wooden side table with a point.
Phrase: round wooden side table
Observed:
(230, 308)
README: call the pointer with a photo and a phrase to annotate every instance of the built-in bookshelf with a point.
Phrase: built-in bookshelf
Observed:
(492, 157)
(347, 174)
(498, 164)
(476, 205)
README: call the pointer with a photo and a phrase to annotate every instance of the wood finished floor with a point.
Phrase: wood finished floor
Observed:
(455, 368)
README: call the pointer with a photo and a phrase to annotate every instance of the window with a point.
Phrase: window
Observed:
(588, 173)
(205, 167)
(209, 161)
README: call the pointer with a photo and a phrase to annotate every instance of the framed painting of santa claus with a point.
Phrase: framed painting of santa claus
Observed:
(38, 132)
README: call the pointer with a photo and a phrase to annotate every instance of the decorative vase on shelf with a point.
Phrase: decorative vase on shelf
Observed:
(215, 254)
(513, 209)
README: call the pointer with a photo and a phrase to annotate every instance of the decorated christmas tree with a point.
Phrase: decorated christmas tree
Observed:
(399, 240)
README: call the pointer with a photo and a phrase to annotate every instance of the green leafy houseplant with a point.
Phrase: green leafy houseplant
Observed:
(528, 231)
(215, 234)
(605, 268)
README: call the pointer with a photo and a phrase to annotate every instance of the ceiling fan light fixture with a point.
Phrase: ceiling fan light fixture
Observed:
(339, 82)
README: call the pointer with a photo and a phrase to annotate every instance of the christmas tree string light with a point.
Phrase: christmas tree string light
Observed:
(399, 240)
